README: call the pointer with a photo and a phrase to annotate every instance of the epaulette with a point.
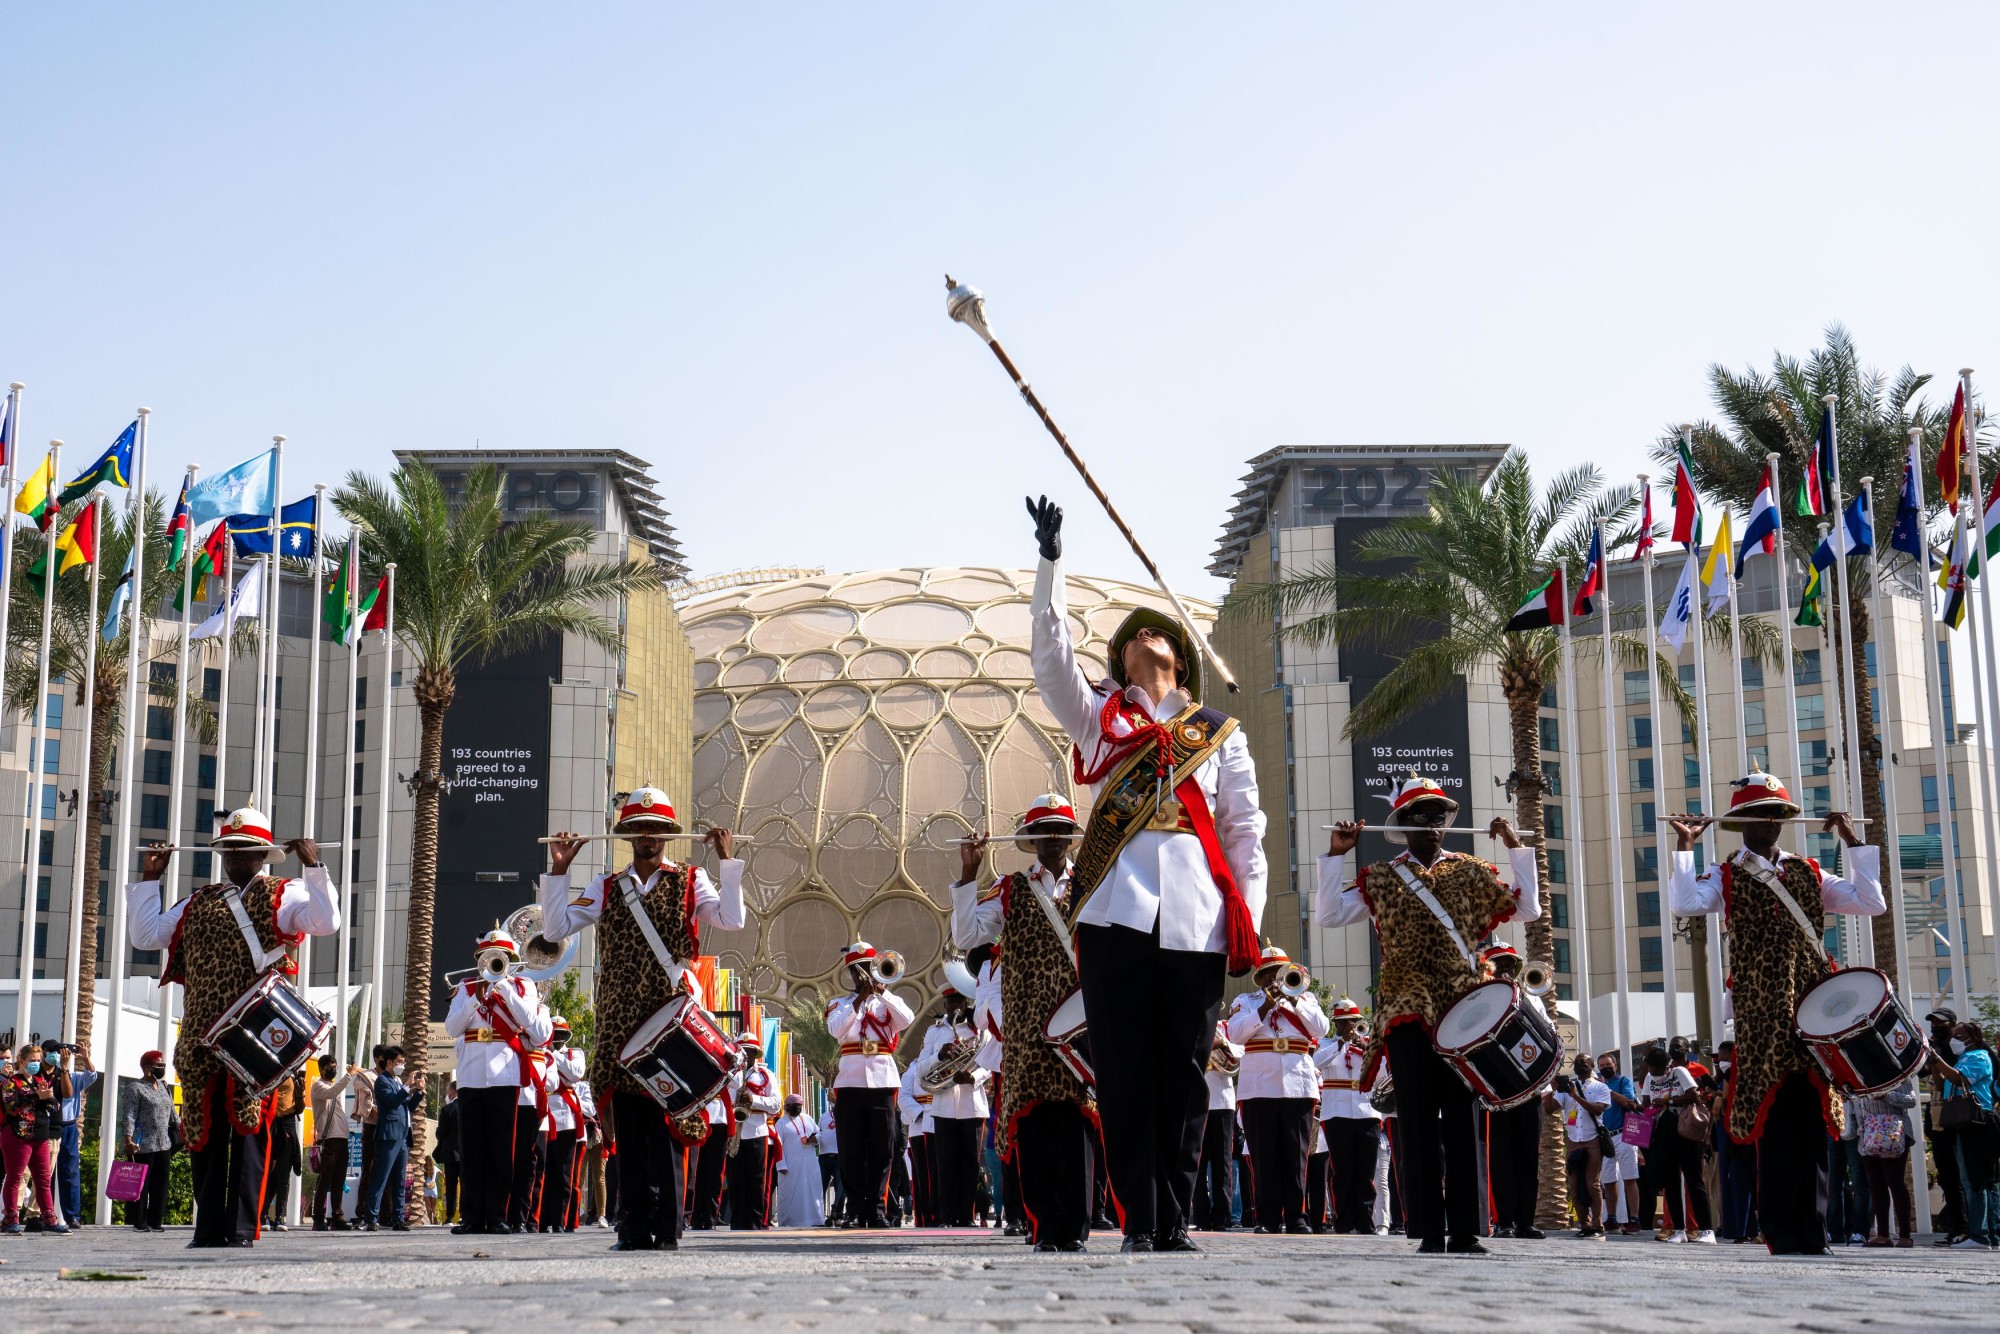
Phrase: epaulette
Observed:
(994, 890)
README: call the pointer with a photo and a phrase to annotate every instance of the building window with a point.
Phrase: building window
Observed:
(1753, 673)
(1812, 713)
(162, 675)
(1929, 782)
(48, 848)
(1868, 658)
(204, 771)
(357, 823)
(1549, 695)
(49, 792)
(159, 767)
(1753, 718)
(204, 817)
(1646, 866)
(1642, 773)
(1690, 771)
(360, 692)
(358, 767)
(1649, 907)
(1559, 910)
(1649, 955)
(153, 811)
(1686, 674)
(1812, 759)
(1759, 757)
(1944, 683)
(1638, 732)
(1820, 798)
(1552, 779)
(1552, 821)
(55, 713)
(1805, 667)
(1635, 688)
(159, 723)
(1558, 866)
(361, 734)
(1551, 735)
(1562, 956)
(51, 755)
(203, 865)
(211, 684)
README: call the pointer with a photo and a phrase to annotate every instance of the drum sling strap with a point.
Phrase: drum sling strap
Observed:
(1429, 900)
(628, 890)
(1784, 896)
(259, 956)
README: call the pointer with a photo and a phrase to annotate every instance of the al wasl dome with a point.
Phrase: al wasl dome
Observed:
(855, 726)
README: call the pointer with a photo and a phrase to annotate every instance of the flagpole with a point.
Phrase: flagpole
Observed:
(1851, 743)
(1669, 951)
(222, 806)
(349, 795)
(1621, 1021)
(31, 857)
(1861, 943)
(7, 525)
(1941, 764)
(178, 763)
(267, 734)
(309, 826)
(121, 861)
(86, 799)
(379, 956)
(1573, 835)
(1984, 752)
(1784, 633)
(1705, 761)
(1963, 530)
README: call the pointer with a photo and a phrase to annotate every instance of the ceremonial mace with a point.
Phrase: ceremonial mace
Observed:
(967, 305)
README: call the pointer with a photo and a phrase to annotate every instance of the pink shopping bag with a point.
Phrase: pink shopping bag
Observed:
(1639, 1128)
(127, 1180)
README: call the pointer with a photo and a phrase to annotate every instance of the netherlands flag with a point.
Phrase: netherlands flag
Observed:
(1761, 532)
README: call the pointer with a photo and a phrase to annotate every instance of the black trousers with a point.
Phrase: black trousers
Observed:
(649, 1172)
(708, 1163)
(867, 1136)
(283, 1164)
(1279, 1134)
(228, 1177)
(1791, 1170)
(523, 1191)
(332, 1180)
(1214, 1199)
(1351, 1149)
(558, 1165)
(1679, 1163)
(1950, 1221)
(902, 1151)
(750, 1185)
(1316, 1170)
(1435, 1113)
(1513, 1149)
(447, 1193)
(150, 1208)
(923, 1180)
(1053, 1153)
(486, 1153)
(1152, 1093)
(954, 1169)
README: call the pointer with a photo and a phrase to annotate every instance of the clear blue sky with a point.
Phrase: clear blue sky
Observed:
(715, 237)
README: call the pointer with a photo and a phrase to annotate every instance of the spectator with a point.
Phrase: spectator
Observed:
(829, 1169)
(363, 1118)
(1582, 1100)
(391, 1135)
(1885, 1158)
(1950, 1222)
(148, 1133)
(445, 1156)
(1736, 1164)
(32, 1126)
(1971, 1076)
(1677, 1160)
(284, 1160)
(1847, 1203)
(332, 1131)
(69, 1150)
(1622, 1165)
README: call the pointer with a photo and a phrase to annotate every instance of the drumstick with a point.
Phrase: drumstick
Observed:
(606, 838)
(1529, 837)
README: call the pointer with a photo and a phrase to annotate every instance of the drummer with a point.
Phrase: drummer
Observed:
(1776, 1102)
(1426, 965)
(633, 983)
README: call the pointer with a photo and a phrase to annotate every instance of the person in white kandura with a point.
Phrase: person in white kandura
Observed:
(220, 941)
(1774, 906)
(1430, 907)
(800, 1200)
(648, 919)
(1277, 1091)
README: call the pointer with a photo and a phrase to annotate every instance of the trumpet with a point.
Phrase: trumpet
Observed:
(1291, 983)
(887, 968)
(1361, 1031)
(495, 964)
(1537, 977)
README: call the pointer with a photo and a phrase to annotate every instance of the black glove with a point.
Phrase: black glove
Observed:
(1048, 526)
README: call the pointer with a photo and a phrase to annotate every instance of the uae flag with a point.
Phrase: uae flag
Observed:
(1687, 505)
(1543, 607)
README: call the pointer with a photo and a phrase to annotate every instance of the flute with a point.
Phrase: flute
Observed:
(206, 847)
(606, 838)
(1036, 837)
(1758, 819)
(1529, 837)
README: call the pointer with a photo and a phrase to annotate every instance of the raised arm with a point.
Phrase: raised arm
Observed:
(309, 905)
(1070, 697)
(151, 927)
(563, 913)
(1859, 894)
(1239, 822)
(723, 908)
(1526, 884)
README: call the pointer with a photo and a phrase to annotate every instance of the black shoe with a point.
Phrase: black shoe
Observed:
(200, 1245)
(1431, 1248)
(1503, 1233)
(1529, 1234)
(1045, 1246)
(1175, 1241)
(1395, 1229)
(238, 1243)
(1468, 1248)
(1299, 1228)
(1069, 1246)
(1319, 1229)
(1102, 1224)
(341, 1225)
(1134, 1245)
(399, 1227)
(1263, 1231)
(631, 1245)
(667, 1244)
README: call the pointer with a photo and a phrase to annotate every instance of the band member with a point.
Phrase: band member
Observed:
(1352, 1126)
(1214, 1193)
(1427, 905)
(220, 940)
(531, 1140)
(987, 1015)
(709, 1159)
(1513, 1136)
(565, 1071)
(1777, 1099)
(866, 1023)
(1045, 1110)
(754, 1093)
(957, 1113)
(1166, 892)
(913, 1105)
(648, 920)
(496, 1019)
(1278, 1090)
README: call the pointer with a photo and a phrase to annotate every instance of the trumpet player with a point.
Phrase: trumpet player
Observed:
(1352, 1126)
(1428, 905)
(867, 1023)
(755, 1101)
(496, 1019)
(1280, 1025)
(1513, 1136)
(958, 1109)
(1215, 1178)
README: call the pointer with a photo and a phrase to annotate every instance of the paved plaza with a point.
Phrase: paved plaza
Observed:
(972, 1281)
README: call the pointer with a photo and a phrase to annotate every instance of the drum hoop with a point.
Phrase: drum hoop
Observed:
(1889, 1001)
(1491, 1034)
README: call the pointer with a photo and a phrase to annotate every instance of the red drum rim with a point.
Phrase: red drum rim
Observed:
(1491, 1031)
(1864, 1018)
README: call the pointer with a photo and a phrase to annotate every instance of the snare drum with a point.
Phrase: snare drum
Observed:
(267, 1034)
(1501, 1043)
(1067, 1032)
(680, 1056)
(1859, 1033)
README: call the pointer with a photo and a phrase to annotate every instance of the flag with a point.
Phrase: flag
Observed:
(1989, 519)
(1813, 486)
(243, 489)
(1854, 535)
(1687, 505)
(246, 602)
(1762, 530)
(1715, 570)
(1593, 577)
(295, 521)
(1908, 534)
(121, 593)
(1645, 521)
(1809, 601)
(1952, 451)
(34, 499)
(114, 466)
(1680, 607)
(334, 610)
(207, 561)
(1952, 580)
(178, 530)
(78, 542)
(1543, 607)
(6, 430)
(376, 607)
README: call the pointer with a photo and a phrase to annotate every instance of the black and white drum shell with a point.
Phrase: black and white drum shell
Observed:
(1500, 1042)
(267, 1034)
(1858, 1032)
(680, 1056)
(1069, 1034)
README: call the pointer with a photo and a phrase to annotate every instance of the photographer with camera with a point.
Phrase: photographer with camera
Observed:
(1583, 1099)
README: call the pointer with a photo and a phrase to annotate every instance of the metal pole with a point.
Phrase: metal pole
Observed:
(1947, 814)
(350, 795)
(31, 855)
(1704, 762)
(1785, 640)
(309, 824)
(222, 806)
(379, 962)
(1669, 950)
(86, 799)
(1984, 754)
(1855, 668)
(267, 733)
(1620, 963)
(7, 525)
(164, 1036)
(1573, 835)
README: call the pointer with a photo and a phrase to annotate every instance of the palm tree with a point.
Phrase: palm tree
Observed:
(71, 630)
(1780, 414)
(470, 585)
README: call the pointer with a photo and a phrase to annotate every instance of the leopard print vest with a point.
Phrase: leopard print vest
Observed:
(212, 964)
(1035, 976)
(1771, 965)
(631, 985)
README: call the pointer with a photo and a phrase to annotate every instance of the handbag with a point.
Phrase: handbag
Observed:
(1694, 1122)
(1638, 1130)
(1884, 1135)
(176, 1136)
(1958, 1113)
(126, 1182)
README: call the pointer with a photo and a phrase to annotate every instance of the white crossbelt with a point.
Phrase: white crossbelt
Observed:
(1054, 914)
(259, 956)
(1772, 883)
(1423, 892)
(628, 889)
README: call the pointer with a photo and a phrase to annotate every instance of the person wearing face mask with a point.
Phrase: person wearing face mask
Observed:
(1428, 905)
(1969, 1075)
(1621, 1166)
(384, 1190)
(32, 1124)
(69, 1149)
(1677, 1162)
(146, 1129)
(1736, 1165)
(801, 1198)
(1943, 1139)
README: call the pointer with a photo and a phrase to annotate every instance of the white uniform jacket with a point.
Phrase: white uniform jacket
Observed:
(764, 1101)
(867, 1037)
(914, 1104)
(564, 914)
(1222, 1087)
(1159, 875)
(1340, 1095)
(986, 1013)
(1278, 1048)
(957, 1101)
(485, 1058)
(1691, 895)
(565, 1071)
(307, 906)
(1339, 903)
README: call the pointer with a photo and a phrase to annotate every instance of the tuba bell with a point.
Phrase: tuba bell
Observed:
(1537, 977)
(542, 959)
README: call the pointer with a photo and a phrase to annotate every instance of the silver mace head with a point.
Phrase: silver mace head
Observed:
(967, 305)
